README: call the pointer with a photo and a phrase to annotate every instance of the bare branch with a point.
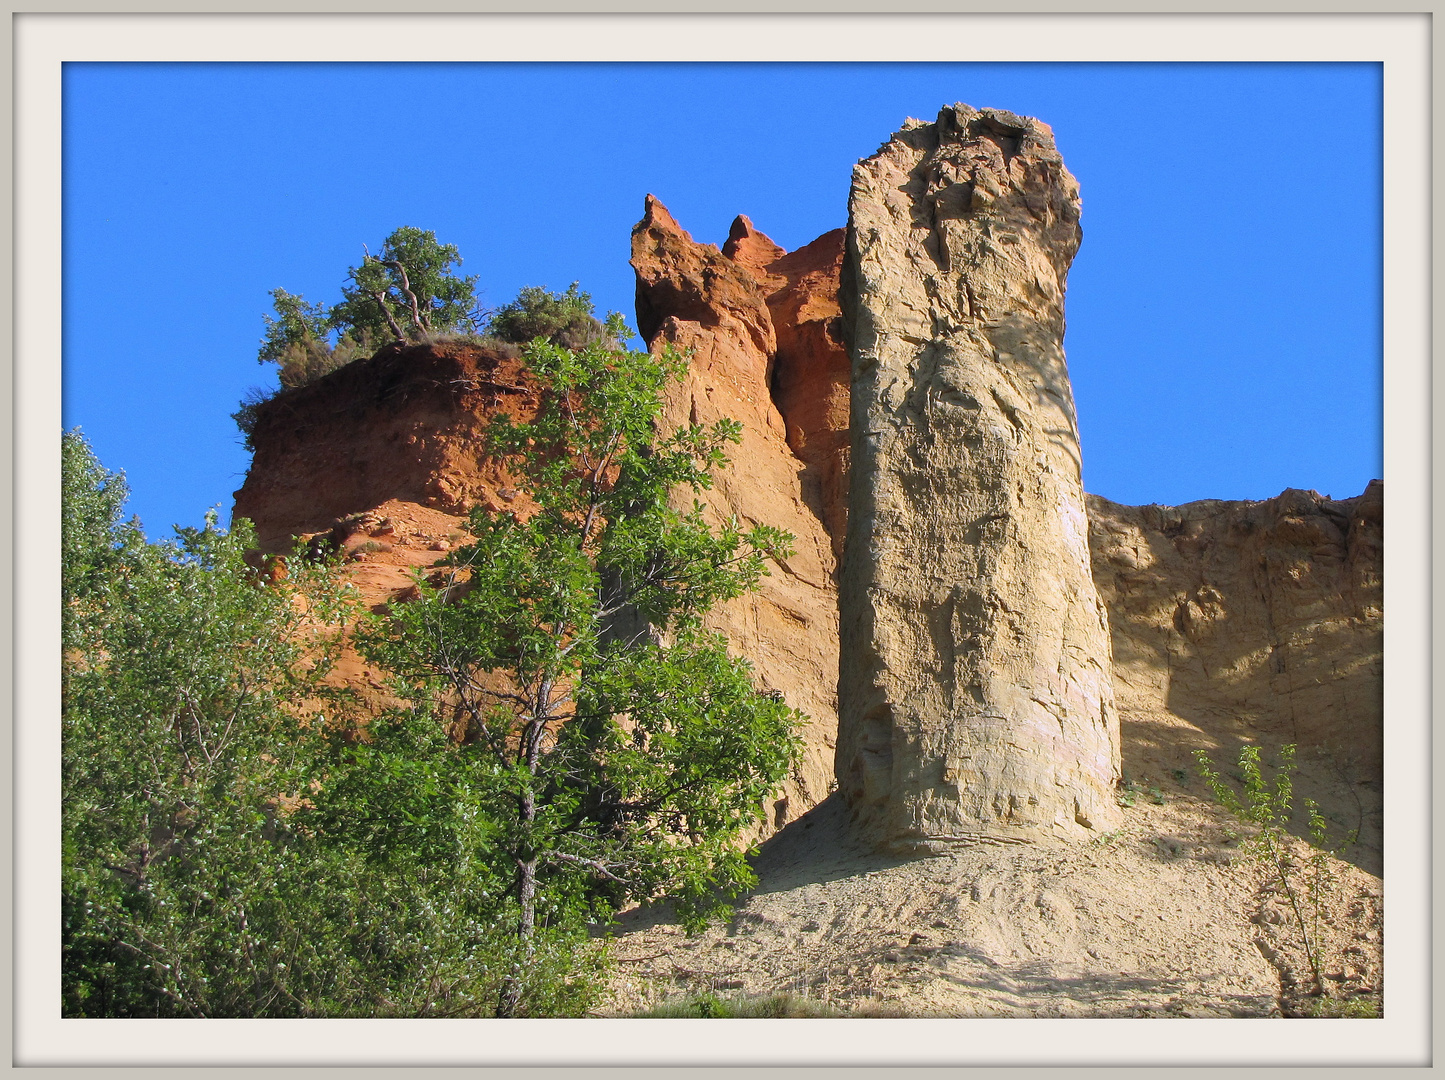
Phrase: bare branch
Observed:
(392, 324)
(421, 322)
(595, 865)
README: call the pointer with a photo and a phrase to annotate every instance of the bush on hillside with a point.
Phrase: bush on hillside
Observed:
(564, 319)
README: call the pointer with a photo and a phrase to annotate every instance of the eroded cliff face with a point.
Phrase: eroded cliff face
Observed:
(695, 297)
(811, 370)
(403, 426)
(1253, 622)
(382, 462)
(384, 458)
(975, 691)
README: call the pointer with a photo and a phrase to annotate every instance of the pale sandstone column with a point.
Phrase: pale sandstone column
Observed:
(975, 694)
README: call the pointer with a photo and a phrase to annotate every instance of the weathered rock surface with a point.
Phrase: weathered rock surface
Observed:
(395, 442)
(976, 672)
(811, 369)
(693, 296)
(1229, 621)
(1233, 623)
(406, 424)
(1253, 622)
(382, 460)
(975, 690)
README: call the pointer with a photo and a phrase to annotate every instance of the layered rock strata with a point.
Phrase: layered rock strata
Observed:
(695, 297)
(975, 692)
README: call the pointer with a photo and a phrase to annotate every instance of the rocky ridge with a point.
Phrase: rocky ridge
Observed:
(695, 297)
(1230, 621)
(1253, 622)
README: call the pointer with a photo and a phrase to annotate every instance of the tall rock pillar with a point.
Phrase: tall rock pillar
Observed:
(975, 694)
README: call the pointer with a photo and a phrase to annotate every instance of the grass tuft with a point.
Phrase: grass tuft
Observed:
(710, 1006)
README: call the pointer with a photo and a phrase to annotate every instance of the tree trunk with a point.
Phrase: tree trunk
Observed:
(423, 325)
(531, 745)
(386, 314)
(526, 931)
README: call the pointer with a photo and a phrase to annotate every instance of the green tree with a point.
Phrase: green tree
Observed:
(95, 540)
(611, 749)
(564, 319)
(192, 883)
(295, 339)
(181, 679)
(407, 292)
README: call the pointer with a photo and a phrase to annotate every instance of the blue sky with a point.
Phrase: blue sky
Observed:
(1223, 311)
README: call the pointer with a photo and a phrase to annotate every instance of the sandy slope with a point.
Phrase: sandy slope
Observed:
(1161, 918)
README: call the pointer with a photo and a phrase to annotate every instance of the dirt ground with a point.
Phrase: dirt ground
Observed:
(1163, 917)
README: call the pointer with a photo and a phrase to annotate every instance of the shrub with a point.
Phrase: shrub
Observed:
(297, 326)
(564, 319)
(184, 893)
(1266, 807)
(709, 1005)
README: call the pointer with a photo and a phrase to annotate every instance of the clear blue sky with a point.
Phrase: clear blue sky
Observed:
(1223, 312)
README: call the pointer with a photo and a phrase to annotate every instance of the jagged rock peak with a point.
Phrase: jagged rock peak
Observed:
(751, 248)
(975, 693)
(690, 282)
(656, 216)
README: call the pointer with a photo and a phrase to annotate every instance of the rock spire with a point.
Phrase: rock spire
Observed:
(975, 692)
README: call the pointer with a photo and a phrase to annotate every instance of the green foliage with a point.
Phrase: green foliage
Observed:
(612, 749)
(564, 319)
(573, 739)
(95, 542)
(179, 680)
(297, 323)
(1265, 805)
(295, 339)
(408, 292)
(407, 803)
(196, 880)
(1366, 1007)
